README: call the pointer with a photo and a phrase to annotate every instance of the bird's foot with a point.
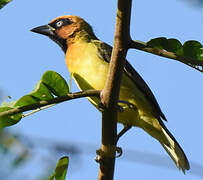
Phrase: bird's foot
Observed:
(108, 153)
(130, 105)
(120, 108)
(101, 107)
(119, 152)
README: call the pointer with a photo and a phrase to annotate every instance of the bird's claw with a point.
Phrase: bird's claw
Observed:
(120, 108)
(101, 107)
(101, 154)
(119, 152)
(130, 105)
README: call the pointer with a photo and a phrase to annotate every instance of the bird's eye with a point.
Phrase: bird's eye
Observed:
(59, 24)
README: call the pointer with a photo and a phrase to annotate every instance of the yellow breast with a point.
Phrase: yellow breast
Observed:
(83, 62)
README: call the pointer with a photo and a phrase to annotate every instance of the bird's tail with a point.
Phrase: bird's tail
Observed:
(174, 150)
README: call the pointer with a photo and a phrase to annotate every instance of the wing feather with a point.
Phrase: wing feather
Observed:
(104, 52)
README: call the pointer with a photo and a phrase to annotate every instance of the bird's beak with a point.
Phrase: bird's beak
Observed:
(49, 31)
(46, 30)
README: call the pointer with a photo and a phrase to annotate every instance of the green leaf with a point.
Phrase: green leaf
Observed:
(7, 104)
(173, 45)
(3, 3)
(193, 49)
(158, 43)
(41, 91)
(50, 84)
(200, 54)
(61, 169)
(55, 83)
(52, 176)
(26, 100)
(9, 120)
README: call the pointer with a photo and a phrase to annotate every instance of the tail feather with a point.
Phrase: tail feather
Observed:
(174, 150)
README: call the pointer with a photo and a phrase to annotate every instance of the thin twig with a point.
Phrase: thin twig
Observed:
(160, 52)
(71, 96)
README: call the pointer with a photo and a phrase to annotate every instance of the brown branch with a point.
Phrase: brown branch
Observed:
(110, 93)
(160, 52)
(56, 100)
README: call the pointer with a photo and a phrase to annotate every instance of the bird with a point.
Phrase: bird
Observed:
(87, 59)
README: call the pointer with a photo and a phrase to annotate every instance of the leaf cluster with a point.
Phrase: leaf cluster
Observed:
(50, 85)
(191, 49)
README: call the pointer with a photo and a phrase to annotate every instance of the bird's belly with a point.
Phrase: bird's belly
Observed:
(133, 101)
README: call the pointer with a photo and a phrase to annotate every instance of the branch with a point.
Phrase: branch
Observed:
(56, 100)
(110, 94)
(160, 52)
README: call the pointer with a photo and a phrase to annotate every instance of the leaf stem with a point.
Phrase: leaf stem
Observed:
(37, 110)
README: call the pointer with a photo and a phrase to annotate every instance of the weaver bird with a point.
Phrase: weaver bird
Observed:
(87, 59)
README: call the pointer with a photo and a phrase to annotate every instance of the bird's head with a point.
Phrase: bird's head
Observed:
(65, 30)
